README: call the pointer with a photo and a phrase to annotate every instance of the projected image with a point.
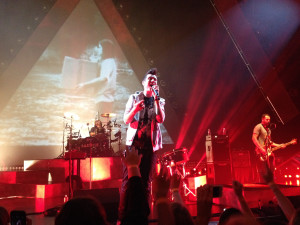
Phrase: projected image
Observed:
(82, 79)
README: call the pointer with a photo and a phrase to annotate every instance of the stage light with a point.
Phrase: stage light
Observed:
(194, 172)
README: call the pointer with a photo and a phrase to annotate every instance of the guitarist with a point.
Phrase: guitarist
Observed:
(262, 139)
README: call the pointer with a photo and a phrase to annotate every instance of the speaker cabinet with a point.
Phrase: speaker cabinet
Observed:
(241, 166)
(219, 173)
(217, 148)
(240, 158)
(108, 197)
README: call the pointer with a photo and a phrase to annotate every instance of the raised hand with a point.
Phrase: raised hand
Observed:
(204, 204)
(161, 184)
(238, 188)
(139, 106)
(132, 158)
(175, 181)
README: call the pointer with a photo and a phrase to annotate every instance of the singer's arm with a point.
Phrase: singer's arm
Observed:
(132, 108)
(160, 110)
(159, 104)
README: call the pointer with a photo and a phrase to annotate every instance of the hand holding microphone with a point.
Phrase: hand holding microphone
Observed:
(155, 90)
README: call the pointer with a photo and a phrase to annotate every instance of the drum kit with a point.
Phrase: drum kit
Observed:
(104, 137)
(175, 162)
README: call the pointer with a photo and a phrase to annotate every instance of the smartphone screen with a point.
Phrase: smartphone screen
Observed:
(217, 191)
(17, 217)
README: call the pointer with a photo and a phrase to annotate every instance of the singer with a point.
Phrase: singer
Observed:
(261, 138)
(144, 113)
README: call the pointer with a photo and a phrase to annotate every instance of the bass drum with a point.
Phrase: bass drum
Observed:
(178, 156)
(95, 146)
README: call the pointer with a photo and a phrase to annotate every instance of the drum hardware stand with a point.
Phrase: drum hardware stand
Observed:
(90, 186)
(186, 190)
(70, 166)
(119, 142)
(109, 135)
(71, 162)
(63, 140)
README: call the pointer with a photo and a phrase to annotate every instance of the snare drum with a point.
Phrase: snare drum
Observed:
(178, 156)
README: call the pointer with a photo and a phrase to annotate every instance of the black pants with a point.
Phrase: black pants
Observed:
(261, 168)
(147, 169)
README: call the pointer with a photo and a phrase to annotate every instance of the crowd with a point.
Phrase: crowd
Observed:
(169, 205)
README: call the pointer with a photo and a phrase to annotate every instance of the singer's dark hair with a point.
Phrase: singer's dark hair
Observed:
(152, 71)
(264, 115)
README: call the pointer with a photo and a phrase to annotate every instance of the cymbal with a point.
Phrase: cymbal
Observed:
(108, 115)
(71, 115)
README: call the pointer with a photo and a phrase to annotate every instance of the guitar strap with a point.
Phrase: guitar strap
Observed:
(267, 142)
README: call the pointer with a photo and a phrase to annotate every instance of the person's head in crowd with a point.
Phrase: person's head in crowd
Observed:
(81, 211)
(296, 218)
(239, 220)
(181, 214)
(228, 214)
(4, 216)
(274, 222)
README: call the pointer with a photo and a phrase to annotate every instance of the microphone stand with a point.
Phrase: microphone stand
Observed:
(247, 64)
(70, 163)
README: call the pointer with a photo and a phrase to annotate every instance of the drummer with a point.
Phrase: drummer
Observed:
(97, 129)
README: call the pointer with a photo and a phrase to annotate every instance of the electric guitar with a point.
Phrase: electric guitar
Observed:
(270, 150)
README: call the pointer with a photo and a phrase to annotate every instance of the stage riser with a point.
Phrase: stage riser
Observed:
(33, 177)
(33, 190)
(48, 178)
(113, 183)
(103, 168)
(255, 196)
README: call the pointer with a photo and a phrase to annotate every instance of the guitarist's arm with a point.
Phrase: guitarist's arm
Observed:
(260, 148)
(278, 145)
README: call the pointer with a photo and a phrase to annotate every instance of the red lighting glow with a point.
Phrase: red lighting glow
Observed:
(40, 191)
(103, 168)
(39, 204)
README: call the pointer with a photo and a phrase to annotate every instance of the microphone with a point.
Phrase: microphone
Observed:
(272, 126)
(156, 92)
